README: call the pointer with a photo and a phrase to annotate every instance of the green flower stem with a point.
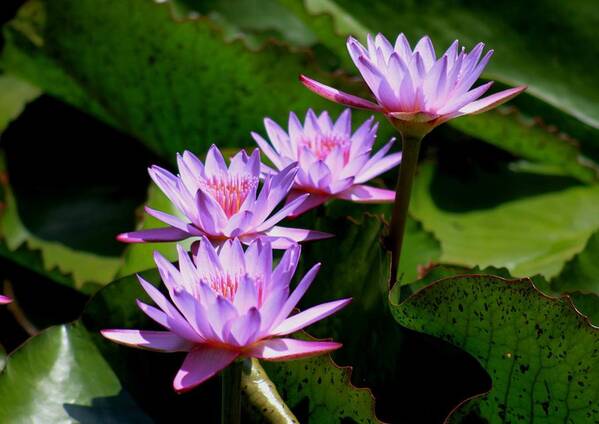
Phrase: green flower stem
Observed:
(262, 395)
(231, 394)
(407, 170)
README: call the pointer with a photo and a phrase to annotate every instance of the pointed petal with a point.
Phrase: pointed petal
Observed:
(281, 214)
(4, 300)
(343, 123)
(367, 194)
(267, 150)
(244, 329)
(205, 258)
(169, 219)
(176, 322)
(200, 364)
(312, 201)
(426, 50)
(458, 102)
(212, 217)
(283, 349)
(492, 101)
(296, 235)
(337, 96)
(215, 162)
(309, 316)
(280, 140)
(154, 234)
(160, 341)
(297, 294)
(375, 168)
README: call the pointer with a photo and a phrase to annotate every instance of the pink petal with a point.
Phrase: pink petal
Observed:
(278, 137)
(367, 194)
(200, 364)
(297, 235)
(169, 219)
(337, 96)
(284, 349)
(153, 235)
(4, 300)
(297, 294)
(284, 212)
(426, 50)
(492, 101)
(160, 341)
(312, 201)
(309, 316)
(245, 327)
(215, 163)
(267, 150)
(373, 167)
(176, 322)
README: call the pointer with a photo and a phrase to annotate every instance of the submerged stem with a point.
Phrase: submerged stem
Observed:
(231, 394)
(407, 170)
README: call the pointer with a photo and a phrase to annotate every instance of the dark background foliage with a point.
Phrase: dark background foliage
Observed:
(93, 93)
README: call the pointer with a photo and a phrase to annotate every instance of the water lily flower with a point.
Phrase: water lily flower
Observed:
(4, 300)
(416, 90)
(225, 305)
(333, 162)
(223, 202)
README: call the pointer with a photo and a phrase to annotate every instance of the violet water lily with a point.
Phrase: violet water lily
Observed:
(221, 202)
(416, 91)
(333, 162)
(226, 305)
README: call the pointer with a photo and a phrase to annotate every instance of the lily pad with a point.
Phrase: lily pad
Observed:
(59, 376)
(530, 224)
(16, 93)
(539, 351)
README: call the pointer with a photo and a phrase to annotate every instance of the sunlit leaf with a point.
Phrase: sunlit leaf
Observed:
(538, 350)
(60, 376)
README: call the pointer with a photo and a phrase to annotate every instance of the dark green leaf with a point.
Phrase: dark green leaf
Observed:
(16, 93)
(539, 351)
(327, 387)
(174, 85)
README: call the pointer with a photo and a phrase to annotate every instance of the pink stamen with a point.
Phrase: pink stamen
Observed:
(323, 144)
(227, 284)
(230, 191)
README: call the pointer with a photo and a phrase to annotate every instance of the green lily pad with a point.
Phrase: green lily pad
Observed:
(16, 93)
(60, 376)
(539, 351)
(581, 273)
(256, 26)
(530, 224)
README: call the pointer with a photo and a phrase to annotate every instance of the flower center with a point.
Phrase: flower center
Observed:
(229, 191)
(227, 284)
(323, 144)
